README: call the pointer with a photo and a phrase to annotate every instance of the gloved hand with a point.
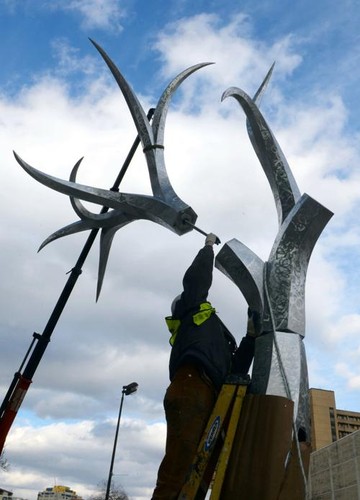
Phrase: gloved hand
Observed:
(211, 238)
(254, 326)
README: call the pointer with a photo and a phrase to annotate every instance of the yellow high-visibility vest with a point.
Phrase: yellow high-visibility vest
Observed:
(204, 313)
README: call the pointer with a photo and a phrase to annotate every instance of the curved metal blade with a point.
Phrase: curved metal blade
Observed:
(288, 263)
(95, 195)
(95, 219)
(159, 118)
(260, 91)
(106, 239)
(245, 269)
(153, 146)
(160, 184)
(139, 116)
(75, 227)
(78, 207)
(284, 188)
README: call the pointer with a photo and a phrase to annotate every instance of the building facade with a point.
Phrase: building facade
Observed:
(335, 470)
(328, 424)
(58, 493)
(8, 495)
(5, 495)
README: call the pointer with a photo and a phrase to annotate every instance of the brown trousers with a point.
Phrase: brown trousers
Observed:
(188, 403)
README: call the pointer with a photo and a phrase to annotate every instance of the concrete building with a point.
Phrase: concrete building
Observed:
(335, 470)
(58, 493)
(8, 495)
(328, 424)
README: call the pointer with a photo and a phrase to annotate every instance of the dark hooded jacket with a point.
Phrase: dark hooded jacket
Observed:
(209, 346)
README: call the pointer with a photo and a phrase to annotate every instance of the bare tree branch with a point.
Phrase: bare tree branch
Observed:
(116, 492)
(4, 464)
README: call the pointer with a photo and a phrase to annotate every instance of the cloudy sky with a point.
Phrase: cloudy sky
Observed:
(58, 102)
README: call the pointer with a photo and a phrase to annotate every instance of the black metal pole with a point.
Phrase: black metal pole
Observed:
(74, 274)
(21, 382)
(126, 390)
(108, 487)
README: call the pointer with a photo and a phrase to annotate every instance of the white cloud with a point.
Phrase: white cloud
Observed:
(96, 14)
(138, 449)
(238, 58)
(68, 60)
(347, 327)
(351, 375)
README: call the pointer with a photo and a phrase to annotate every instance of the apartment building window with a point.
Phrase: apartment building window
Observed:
(332, 423)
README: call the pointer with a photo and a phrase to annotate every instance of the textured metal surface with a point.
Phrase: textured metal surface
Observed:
(280, 369)
(276, 168)
(288, 262)
(276, 288)
(245, 269)
(164, 207)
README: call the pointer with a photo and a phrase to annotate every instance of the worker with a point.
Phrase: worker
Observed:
(201, 358)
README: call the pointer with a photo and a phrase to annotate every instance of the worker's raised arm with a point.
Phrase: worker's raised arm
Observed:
(197, 279)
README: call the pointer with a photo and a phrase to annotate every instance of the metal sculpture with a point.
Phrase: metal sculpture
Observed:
(276, 288)
(164, 207)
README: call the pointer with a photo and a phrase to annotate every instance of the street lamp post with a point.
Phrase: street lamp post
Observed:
(126, 390)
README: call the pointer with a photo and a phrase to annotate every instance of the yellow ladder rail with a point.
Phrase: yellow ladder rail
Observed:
(226, 411)
(228, 443)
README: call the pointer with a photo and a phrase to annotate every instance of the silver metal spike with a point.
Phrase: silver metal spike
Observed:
(164, 207)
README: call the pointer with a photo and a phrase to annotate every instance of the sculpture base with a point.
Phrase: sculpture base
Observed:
(264, 462)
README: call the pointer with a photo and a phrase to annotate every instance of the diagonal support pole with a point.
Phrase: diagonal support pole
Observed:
(22, 381)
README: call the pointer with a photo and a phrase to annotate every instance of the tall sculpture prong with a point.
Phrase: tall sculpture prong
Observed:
(152, 136)
(164, 207)
(276, 288)
(276, 168)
